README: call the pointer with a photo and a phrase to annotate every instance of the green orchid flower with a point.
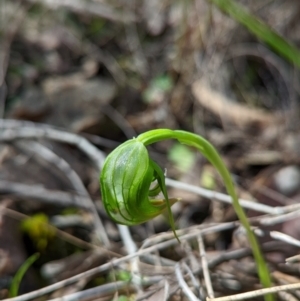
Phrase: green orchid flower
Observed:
(129, 173)
(126, 180)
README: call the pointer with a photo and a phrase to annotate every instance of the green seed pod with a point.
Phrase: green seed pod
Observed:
(125, 180)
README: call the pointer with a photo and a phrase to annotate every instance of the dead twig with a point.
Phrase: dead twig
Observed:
(61, 234)
(273, 220)
(257, 293)
(209, 288)
(210, 194)
(13, 129)
(41, 194)
(131, 248)
(282, 279)
(185, 233)
(89, 8)
(268, 247)
(195, 281)
(98, 291)
(115, 262)
(185, 288)
(49, 156)
(280, 236)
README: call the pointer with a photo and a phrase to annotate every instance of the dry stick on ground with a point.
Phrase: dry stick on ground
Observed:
(81, 143)
(104, 289)
(193, 261)
(165, 236)
(280, 236)
(165, 286)
(98, 291)
(116, 262)
(210, 194)
(273, 220)
(295, 258)
(237, 254)
(41, 194)
(286, 296)
(181, 276)
(131, 249)
(195, 281)
(93, 8)
(166, 290)
(61, 234)
(64, 166)
(209, 288)
(257, 293)
(13, 129)
(23, 129)
(231, 255)
(124, 232)
(282, 279)
(185, 288)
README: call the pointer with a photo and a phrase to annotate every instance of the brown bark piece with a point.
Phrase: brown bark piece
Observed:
(227, 109)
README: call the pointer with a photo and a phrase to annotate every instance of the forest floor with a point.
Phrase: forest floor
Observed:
(77, 78)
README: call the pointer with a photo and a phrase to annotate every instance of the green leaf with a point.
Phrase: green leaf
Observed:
(261, 30)
(14, 287)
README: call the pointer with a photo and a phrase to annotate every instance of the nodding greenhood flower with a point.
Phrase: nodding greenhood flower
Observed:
(126, 179)
(128, 174)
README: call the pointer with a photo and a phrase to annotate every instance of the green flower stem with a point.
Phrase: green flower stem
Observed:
(213, 157)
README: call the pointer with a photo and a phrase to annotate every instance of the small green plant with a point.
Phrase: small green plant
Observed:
(158, 88)
(126, 298)
(119, 275)
(15, 284)
(129, 172)
(38, 229)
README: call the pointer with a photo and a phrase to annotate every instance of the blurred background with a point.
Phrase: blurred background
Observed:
(110, 70)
